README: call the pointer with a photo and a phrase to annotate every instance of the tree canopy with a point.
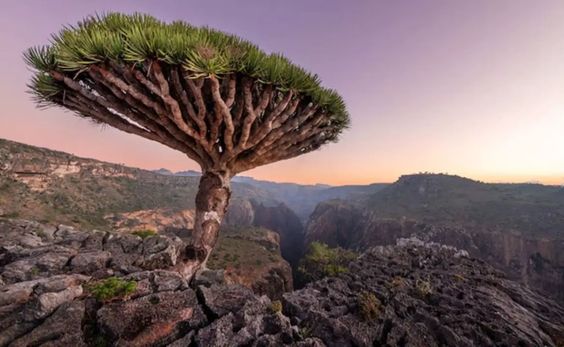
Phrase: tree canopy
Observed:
(86, 67)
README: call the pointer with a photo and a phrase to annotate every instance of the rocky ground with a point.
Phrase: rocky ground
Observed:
(411, 294)
(535, 260)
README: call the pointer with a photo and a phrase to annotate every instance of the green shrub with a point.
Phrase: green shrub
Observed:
(144, 233)
(275, 306)
(111, 288)
(322, 261)
(423, 287)
(368, 305)
(305, 332)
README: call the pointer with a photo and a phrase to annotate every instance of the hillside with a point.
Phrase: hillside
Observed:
(517, 228)
(435, 198)
(57, 187)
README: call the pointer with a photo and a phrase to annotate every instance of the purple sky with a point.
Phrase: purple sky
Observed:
(474, 88)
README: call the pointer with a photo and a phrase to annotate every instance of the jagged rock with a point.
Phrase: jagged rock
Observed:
(535, 259)
(24, 305)
(417, 293)
(426, 297)
(161, 252)
(90, 261)
(253, 324)
(62, 328)
(154, 319)
(208, 277)
(223, 299)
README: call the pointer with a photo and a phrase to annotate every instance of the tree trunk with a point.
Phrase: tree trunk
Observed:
(211, 205)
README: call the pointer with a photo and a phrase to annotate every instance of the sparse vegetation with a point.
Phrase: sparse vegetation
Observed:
(144, 233)
(305, 332)
(423, 287)
(322, 261)
(275, 306)
(112, 288)
(397, 282)
(369, 306)
(237, 250)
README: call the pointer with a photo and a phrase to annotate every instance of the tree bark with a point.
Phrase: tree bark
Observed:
(211, 205)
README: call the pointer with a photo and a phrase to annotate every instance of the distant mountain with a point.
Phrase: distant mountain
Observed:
(189, 173)
(301, 198)
(163, 171)
(529, 208)
(518, 228)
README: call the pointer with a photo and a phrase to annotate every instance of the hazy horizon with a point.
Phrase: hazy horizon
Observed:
(474, 89)
(249, 174)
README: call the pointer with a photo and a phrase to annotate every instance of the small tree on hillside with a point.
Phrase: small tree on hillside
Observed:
(213, 96)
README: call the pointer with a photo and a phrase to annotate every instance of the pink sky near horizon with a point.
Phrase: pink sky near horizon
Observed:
(474, 88)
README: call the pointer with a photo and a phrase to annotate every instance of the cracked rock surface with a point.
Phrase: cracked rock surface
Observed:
(416, 294)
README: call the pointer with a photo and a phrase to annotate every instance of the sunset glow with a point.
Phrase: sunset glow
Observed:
(471, 88)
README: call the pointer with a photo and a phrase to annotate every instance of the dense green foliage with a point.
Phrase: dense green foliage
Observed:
(111, 288)
(322, 261)
(201, 51)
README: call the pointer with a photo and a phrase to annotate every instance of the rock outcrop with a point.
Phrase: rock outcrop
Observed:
(537, 261)
(412, 294)
(424, 294)
(159, 220)
(251, 256)
(30, 250)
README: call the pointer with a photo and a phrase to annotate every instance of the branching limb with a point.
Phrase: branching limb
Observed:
(226, 113)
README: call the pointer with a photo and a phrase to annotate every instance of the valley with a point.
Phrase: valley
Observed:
(517, 228)
(431, 242)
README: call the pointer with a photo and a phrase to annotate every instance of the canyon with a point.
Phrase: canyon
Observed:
(67, 223)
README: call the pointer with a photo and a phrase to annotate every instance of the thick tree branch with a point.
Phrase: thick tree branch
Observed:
(224, 111)
(140, 114)
(172, 104)
(181, 92)
(159, 110)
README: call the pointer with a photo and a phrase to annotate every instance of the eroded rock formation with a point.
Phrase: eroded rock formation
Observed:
(412, 294)
(537, 261)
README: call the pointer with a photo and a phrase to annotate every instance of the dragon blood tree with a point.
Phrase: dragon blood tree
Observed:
(213, 96)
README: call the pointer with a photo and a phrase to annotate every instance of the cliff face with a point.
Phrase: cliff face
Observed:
(283, 220)
(535, 261)
(415, 293)
(277, 217)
